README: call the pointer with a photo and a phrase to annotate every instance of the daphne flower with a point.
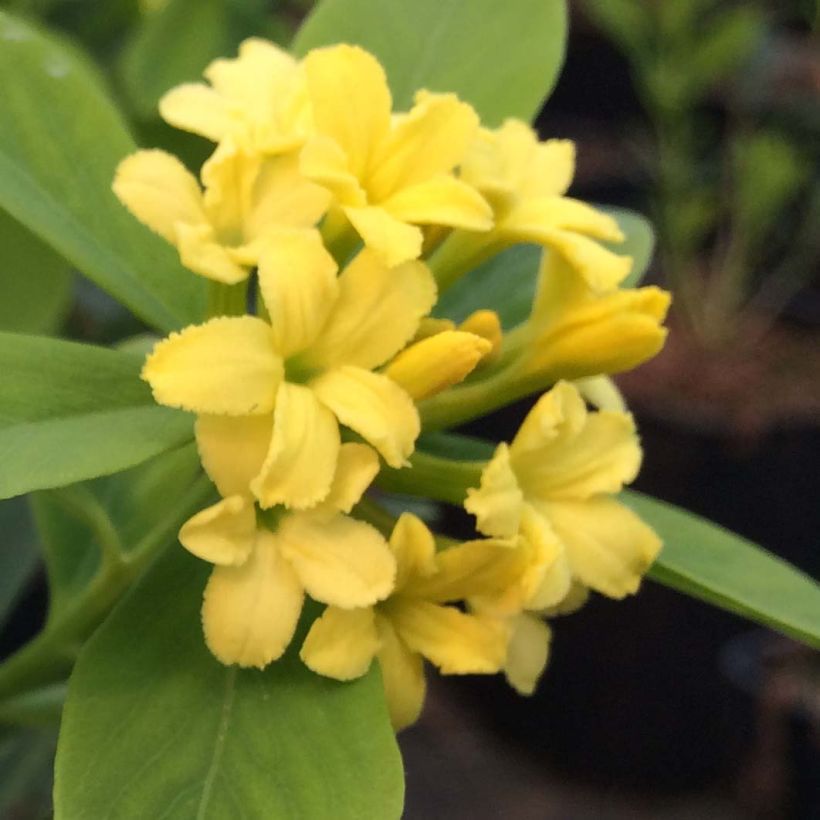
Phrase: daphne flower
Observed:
(285, 385)
(558, 475)
(388, 175)
(219, 231)
(258, 99)
(526, 181)
(255, 593)
(416, 622)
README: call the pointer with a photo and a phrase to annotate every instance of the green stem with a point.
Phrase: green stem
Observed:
(227, 300)
(434, 477)
(48, 658)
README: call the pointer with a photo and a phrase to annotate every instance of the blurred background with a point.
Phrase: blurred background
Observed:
(704, 115)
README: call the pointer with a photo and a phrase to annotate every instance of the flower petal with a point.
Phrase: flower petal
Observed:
(608, 547)
(223, 533)
(299, 467)
(341, 643)
(428, 141)
(197, 108)
(356, 468)
(351, 100)
(157, 188)
(225, 366)
(297, 278)
(324, 162)
(414, 549)
(563, 452)
(498, 502)
(249, 613)
(377, 313)
(442, 200)
(232, 449)
(393, 240)
(375, 407)
(403, 676)
(457, 643)
(527, 653)
(201, 253)
(339, 560)
(437, 362)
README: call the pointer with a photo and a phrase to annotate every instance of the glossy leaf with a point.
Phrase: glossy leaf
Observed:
(36, 283)
(69, 412)
(504, 58)
(507, 281)
(706, 561)
(177, 40)
(169, 732)
(702, 559)
(60, 141)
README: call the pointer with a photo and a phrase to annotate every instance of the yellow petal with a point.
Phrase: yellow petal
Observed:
(484, 323)
(201, 253)
(341, 643)
(297, 278)
(527, 653)
(602, 392)
(298, 469)
(377, 313)
(442, 200)
(437, 362)
(498, 502)
(563, 452)
(403, 676)
(225, 366)
(351, 100)
(249, 613)
(457, 643)
(609, 548)
(414, 549)
(356, 468)
(393, 240)
(324, 162)
(232, 449)
(430, 325)
(550, 169)
(375, 407)
(339, 560)
(223, 533)
(427, 142)
(197, 108)
(160, 192)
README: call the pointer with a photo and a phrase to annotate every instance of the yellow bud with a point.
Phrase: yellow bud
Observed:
(437, 362)
(429, 326)
(484, 323)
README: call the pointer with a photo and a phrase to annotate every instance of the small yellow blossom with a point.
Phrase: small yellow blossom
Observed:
(388, 175)
(526, 181)
(416, 622)
(220, 231)
(258, 99)
(559, 474)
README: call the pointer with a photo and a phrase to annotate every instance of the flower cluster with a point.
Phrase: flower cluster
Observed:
(329, 225)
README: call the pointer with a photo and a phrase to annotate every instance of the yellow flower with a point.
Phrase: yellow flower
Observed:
(280, 389)
(221, 231)
(255, 593)
(415, 623)
(525, 181)
(388, 175)
(557, 477)
(259, 99)
(574, 331)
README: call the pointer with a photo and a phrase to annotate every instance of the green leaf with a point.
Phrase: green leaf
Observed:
(19, 556)
(129, 507)
(504, 58)
(703, 560)
(177, 41)
(60, 141)
(169, 732)
(69, 412)
(506, 283)
(36, 283)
